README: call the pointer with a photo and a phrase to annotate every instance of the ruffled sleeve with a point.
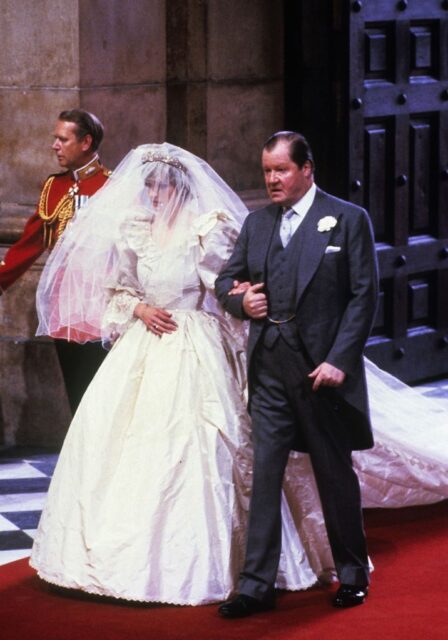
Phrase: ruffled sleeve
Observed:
(123, 288)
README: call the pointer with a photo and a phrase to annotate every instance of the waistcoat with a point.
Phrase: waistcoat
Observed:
(281, 276)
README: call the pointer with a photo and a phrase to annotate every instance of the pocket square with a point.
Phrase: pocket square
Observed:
(331, 249)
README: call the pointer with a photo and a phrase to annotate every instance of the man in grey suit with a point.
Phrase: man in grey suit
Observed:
(305, 274)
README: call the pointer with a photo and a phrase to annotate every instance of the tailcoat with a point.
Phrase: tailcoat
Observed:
(335, 297)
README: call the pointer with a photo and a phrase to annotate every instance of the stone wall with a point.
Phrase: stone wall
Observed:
(204, 74)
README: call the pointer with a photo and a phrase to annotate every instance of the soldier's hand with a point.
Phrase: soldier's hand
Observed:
(326, 375)
(255, 303)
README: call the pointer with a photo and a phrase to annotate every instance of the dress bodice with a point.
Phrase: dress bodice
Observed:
(173, 277)
(168, 276)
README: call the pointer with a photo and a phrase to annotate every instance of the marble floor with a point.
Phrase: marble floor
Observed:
(25, 476)
(24, 480)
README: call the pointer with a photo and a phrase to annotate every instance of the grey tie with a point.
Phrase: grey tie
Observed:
(286, 227)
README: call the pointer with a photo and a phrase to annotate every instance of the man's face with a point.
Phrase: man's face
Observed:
(71, 153)
(285, 182)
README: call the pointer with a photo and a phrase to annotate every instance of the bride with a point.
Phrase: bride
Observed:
(150, 495)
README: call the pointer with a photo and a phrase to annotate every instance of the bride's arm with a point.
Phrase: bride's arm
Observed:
(123, 294)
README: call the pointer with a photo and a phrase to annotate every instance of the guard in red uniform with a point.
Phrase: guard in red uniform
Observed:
(77, 136)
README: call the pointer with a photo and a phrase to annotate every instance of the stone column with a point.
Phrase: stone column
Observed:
(106, 56)
(245, 95)
(225, 84)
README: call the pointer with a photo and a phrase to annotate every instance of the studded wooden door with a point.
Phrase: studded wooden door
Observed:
(367, 82)
(398, 170)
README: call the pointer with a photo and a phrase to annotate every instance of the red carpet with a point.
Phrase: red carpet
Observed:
(408, 599)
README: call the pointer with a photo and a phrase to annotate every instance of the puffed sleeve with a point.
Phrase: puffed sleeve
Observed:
(123, 288)
(217, 233)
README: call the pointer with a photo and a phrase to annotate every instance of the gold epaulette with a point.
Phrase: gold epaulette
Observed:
(56, 221)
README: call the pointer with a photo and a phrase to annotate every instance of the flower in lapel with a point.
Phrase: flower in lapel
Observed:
(326, 224)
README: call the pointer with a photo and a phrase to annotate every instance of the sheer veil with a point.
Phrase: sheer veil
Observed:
(162, 186)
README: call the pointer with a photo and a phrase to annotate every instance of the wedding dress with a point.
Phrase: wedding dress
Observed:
(150, 496)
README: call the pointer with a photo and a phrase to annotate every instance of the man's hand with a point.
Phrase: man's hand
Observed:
(325, 375)
(238, 287)
(255, 303)
(157, 320)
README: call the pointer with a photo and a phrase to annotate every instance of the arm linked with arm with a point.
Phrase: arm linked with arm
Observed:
(235, 269)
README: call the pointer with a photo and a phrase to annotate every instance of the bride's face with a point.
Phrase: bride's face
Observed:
(160, 194)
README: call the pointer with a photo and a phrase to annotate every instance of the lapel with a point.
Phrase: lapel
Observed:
(264, 234)
(313, 242)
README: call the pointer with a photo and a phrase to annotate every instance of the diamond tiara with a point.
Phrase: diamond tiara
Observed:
(151, 156)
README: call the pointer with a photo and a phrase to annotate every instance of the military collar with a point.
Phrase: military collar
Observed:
(88, 170)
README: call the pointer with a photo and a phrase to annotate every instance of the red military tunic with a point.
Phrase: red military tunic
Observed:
(56, 207)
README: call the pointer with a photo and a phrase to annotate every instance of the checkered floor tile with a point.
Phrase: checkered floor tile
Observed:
(24, 480)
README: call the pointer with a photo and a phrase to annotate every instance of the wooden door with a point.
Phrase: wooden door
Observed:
(368, 80)
(398, 170)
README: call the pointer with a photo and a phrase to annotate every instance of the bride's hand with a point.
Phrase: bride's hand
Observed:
(238, 287)
(157, 320)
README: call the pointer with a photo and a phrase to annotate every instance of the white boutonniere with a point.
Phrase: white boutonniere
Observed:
(326, 224)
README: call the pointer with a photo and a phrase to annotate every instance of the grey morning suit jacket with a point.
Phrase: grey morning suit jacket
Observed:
(336, 294)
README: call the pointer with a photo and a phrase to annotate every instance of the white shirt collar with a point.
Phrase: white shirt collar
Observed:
(302, 206)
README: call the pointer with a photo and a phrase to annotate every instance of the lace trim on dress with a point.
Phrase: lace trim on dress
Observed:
(138, 238)
(66, 585)
(119, 315)
(124, 291)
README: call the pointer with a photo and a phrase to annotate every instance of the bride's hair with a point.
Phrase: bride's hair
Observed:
(172, 178)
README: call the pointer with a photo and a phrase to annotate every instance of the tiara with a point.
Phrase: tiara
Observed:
(150, 156)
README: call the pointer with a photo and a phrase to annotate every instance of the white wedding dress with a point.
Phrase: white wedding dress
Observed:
(150, 495)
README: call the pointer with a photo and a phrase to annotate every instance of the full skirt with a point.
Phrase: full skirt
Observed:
(150, 496)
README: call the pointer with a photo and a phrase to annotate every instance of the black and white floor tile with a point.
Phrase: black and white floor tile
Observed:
(25, 475)
(24, 480)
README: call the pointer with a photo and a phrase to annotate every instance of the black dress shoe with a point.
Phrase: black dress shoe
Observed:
(242, 606)
(350, 595)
